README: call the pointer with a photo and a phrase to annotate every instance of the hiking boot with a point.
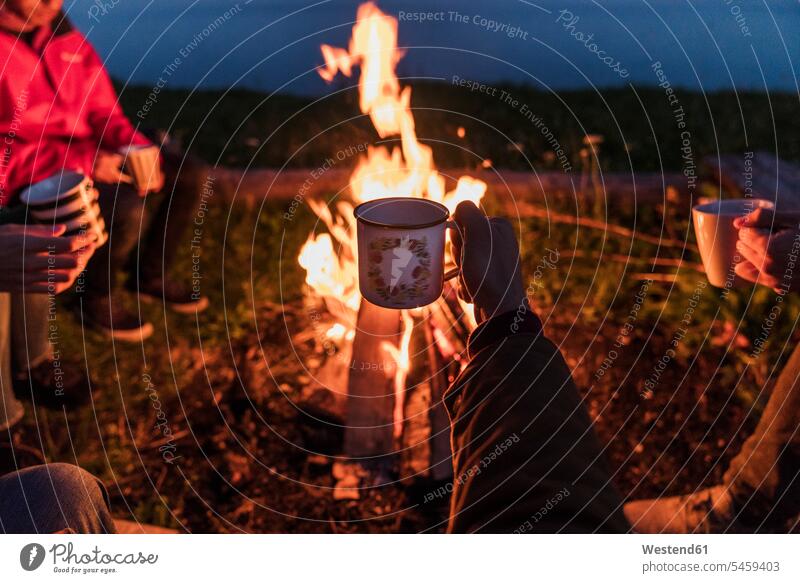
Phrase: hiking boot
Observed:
(114, 320)
(706, 511)
(54, 384)
(175, 296)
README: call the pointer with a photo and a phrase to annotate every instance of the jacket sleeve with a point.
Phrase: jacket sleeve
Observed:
(525, 455)
(113, 130)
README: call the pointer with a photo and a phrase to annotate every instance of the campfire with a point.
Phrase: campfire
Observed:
(389, 352)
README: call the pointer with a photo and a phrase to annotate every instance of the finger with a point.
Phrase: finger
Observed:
(468, 216)
(475, 227)
(747, 271)
(44, 231)
(82, 256)
(754, 255)
(64, 245)
(769, 218)
(45, 278)
(54, 262)
(115, 159)
(755, 237)
(759, 218)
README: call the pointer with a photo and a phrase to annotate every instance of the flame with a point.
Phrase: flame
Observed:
(402, 360)
(405, 171)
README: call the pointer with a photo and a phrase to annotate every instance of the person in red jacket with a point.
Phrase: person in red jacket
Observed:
(59, 110)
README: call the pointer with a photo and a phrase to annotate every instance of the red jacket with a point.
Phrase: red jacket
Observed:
(57, 108)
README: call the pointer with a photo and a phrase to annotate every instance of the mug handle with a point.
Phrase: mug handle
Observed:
(456, 271)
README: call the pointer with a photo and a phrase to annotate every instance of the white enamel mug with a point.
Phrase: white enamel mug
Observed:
(142, 167)
(67, 198)
(717, 237)
(401, 245)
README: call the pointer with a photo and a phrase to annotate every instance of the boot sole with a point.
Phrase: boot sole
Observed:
(186, 308)
(126, 335)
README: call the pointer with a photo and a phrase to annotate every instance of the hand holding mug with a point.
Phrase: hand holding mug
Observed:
(769, 242)
(37, 259)
(141, 168)
(108, 168)
(486, 249)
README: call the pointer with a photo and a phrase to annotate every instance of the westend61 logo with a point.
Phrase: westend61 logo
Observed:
(66, 560)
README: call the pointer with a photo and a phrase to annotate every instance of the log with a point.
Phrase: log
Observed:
(761, 176)
(441, 465)
(256, 184)
(370, 387)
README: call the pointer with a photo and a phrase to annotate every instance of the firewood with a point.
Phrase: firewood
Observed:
(370, 395)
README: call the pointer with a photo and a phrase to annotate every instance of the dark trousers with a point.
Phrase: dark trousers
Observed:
(53, 498)
(144, 233)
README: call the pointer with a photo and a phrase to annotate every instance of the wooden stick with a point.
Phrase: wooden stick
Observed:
(616, 230)
(670, 262)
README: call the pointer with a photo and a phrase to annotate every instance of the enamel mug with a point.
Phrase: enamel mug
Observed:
(401, 243)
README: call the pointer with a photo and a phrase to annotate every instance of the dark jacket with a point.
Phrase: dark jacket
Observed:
(525, 455)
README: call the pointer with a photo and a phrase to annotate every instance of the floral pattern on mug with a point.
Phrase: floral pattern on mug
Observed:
(403, 250)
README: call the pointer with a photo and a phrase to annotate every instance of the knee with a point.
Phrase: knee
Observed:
(68, 497)
(71, 477)
(75, 486)
(123, 209)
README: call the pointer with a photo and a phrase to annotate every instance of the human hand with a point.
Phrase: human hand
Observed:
(36, 259)
(108, 168)
(156, 182)
(487, 252)
(769, 241)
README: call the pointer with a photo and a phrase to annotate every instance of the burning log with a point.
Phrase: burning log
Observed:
(370, 387)
(441, 454)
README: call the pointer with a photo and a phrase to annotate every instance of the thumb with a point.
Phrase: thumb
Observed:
(767, 218)
(473, 223)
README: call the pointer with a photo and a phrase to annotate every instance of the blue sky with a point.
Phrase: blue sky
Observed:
(268, 44)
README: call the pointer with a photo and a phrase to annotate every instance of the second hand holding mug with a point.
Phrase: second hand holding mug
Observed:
(143, 167)
(67, 198)
(401, 243)
(717, 237)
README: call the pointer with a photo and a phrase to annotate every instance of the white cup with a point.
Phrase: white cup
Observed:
(401, 251)
(717, 237)
(67, 198)
(142, 167)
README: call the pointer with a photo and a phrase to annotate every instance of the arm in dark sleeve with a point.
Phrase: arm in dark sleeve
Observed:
(525, 455)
